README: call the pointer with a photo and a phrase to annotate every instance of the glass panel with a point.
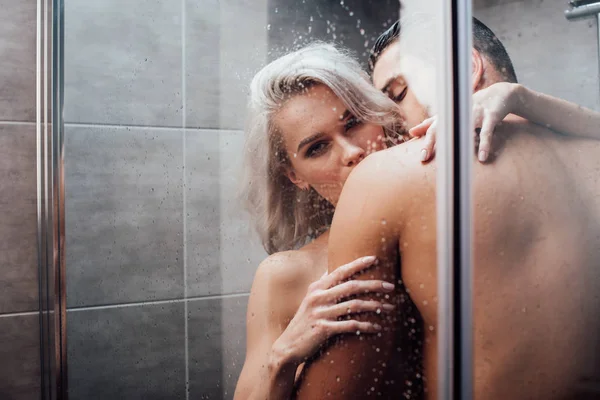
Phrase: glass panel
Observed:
(207, 144)
(535, 201)
(160, 254)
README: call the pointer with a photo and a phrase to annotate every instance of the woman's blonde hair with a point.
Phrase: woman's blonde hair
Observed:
(286, 217)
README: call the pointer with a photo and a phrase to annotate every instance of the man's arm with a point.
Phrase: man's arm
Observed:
(368, 221)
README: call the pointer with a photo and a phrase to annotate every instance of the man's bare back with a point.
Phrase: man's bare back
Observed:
(537, 250)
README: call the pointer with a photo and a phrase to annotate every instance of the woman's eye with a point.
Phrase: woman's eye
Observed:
(351, 123)
(401, 96)
(316, 149)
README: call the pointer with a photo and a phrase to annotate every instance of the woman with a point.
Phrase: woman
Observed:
(314, 116)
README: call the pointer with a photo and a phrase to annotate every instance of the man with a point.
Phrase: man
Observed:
(536, 246)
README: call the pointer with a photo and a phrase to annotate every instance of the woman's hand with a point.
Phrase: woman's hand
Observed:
(326, 311)
(490, 106)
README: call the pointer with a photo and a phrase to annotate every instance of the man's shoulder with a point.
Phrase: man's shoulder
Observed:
(397, 169)
(387, 185)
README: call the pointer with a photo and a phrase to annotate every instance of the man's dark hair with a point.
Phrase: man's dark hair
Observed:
(382, 43)
(484, 41)
(488, 44)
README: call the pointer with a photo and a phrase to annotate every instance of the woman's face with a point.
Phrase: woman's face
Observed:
(324, 141)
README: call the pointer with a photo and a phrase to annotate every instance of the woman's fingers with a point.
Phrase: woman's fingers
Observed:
(357, 306)
(351, 326)
(346, 271)
(355, 287)
(428, 145)
(485, 136)
(421, 129)
(482, 118)
(478, 116)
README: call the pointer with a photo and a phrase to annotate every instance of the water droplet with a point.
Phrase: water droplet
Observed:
(337, 378)
(362, 32)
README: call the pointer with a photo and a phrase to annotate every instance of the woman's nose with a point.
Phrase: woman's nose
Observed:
(353, 154)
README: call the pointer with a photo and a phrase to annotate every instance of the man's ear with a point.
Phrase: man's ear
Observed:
(293, 177)
(477, 70)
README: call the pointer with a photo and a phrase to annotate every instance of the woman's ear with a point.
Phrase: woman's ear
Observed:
(477, 70)
(293, 177)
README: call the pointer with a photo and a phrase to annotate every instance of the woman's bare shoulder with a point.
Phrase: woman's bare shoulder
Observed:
(284, 270)
(281, 282)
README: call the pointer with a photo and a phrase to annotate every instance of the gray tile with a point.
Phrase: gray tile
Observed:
(217, 346)
(18, 225)
(220, 66)
(202, 63)
(478, 4)
(123, 62)
(20, 355)
(127, 352)
(124, 205)
(17, 52)
(222, 250)
(354, 24)
(550, 53)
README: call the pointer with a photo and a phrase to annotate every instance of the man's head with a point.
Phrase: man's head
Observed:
(393, 63)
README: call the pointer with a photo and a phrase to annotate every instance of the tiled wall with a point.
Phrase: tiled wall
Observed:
(159, 257)
(19, 321)
(155, 97)
(550, 53)
(355, 24)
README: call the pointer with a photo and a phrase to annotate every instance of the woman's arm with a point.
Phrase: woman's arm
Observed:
(266, 374)
(559, 115)
(275, 348)
(492, 104)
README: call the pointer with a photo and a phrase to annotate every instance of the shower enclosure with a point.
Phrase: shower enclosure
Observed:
(127, 261)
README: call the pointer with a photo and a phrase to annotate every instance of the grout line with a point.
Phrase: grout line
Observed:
(22, 122)
(184, 189)
(19, 314)
(157, 302)
(164, 128)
